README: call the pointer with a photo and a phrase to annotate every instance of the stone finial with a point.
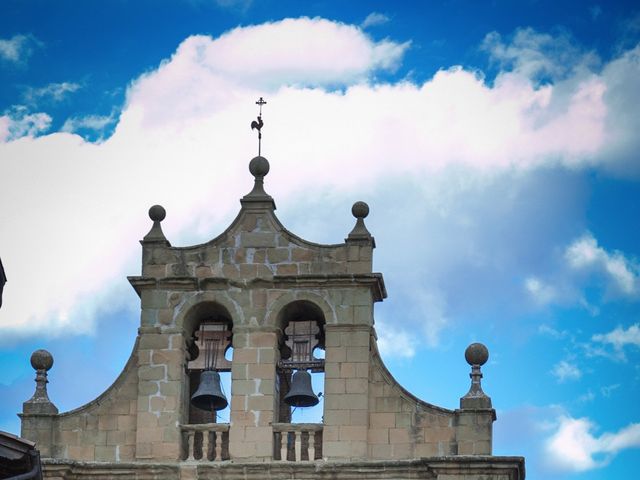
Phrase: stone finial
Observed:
(476, 355)
(157, 213)
(259, 168)
(360, 210)
(41, 361)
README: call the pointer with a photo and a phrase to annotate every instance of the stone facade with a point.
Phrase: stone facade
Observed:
(258, 277)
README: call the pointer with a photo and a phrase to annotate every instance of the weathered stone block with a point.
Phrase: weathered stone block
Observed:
(115, 437)
(107, 422)
(149, 372)
(260, 402)
(126, 422)
(382, 420)
(278, 255)
(153, 341)
(257, 239)
(378, 435)
(261, 371)
(81, 452)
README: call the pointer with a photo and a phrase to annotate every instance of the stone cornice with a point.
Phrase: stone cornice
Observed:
(459, 466)
(188, 283)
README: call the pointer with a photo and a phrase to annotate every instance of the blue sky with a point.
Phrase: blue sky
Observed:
(495, 142)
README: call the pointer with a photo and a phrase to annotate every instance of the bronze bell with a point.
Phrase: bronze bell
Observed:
(300, 394)
(209, 394)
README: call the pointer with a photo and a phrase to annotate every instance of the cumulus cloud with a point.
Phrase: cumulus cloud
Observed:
(374, 19)
(18, 48)
(18, 122)
(565, 370)
(573, 446)
(54, 91)
(584, 253)
(458, 148)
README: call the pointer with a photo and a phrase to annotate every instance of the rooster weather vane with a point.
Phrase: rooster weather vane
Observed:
(257, 124)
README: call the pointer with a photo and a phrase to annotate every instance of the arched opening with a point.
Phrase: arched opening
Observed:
(208, 330)
(301, 350)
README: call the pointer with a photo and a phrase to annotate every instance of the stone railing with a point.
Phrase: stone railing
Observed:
(206, 442)
(297, 442)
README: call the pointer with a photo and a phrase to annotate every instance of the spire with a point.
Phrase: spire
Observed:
(259, 168)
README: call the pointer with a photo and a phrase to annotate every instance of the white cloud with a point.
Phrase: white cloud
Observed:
(183, 140)
(587, 397)
(18, 123)
(18, 48)
(608, 389)
(541, 292)
(585, 253)
(573, 447)
(620, 338)
(91, 122)
(536, 55)
(53, 91)
(374, 19)
(565, 370)
(552, 332)
(394, 341)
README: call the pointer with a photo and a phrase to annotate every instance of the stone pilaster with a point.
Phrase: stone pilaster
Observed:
(346, 415)
(253, 394)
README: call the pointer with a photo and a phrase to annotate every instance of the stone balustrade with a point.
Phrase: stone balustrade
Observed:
(206, 442)
(297, 442)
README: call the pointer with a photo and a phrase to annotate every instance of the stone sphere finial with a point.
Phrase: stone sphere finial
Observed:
(157, 213)
(259, 166)
(360, 210)
(476, 354)
(41, 360)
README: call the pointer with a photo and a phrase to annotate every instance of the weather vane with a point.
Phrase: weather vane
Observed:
(257, 124)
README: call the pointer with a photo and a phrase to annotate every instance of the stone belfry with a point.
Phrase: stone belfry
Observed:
(273, 301)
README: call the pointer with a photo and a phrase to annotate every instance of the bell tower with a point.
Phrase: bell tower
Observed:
(242, 324)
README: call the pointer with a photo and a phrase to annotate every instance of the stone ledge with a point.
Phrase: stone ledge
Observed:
(450, 467)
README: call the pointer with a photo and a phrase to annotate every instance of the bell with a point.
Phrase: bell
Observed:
(300, 394)
(209, 394)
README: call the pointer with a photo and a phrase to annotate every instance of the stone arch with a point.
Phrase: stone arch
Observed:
(274, 317)
(194, 306)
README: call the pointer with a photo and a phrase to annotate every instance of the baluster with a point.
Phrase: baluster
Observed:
(312, 446)
(284, 445)
(218, 452)
(191, 444)
(298, 445)
(205, 445)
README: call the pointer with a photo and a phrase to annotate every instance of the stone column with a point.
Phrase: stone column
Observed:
(39, 413)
